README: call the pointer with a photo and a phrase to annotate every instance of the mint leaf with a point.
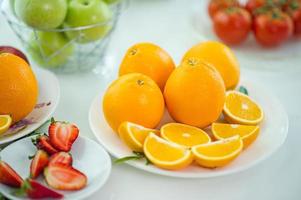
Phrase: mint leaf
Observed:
(243, 90)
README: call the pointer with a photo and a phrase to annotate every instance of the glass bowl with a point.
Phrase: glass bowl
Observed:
(55, 50)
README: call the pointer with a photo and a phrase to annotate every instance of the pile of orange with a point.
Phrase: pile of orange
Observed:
(18, 90)
(196, 94)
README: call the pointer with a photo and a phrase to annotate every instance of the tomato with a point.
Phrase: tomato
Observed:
(232, 25)
(216, 5)
(272, 28)
(252, 5)
(294, 11)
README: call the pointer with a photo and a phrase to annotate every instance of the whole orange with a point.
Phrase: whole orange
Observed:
(195, 93)
(148, 59)
(135, 98)
(18, 88)
(221, 57)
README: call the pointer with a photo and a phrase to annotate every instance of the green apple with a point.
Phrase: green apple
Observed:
(41, 14)
(88, 12)
(50, 49)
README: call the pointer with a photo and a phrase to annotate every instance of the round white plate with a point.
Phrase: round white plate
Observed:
(289, 51)
(88, 157)
(49, 95)
(273, 133)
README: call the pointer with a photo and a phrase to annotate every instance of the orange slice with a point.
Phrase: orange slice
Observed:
(219, 153)
(241, 109)
(247, 133)
(166, 155)
(133, 135)
(185, 135)
(5, 122)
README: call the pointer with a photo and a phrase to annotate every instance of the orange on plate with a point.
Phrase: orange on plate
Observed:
(135, 98)
(185, 135)
(165, 154)
(148, 59)
(221, 57)
(219, 153)
(133, 135)
(195, 93)
(5, 122)
(247, 133)
(241, 109)
(18, 87)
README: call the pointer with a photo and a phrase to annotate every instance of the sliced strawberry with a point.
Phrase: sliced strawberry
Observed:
(64, 177)
(42, 142)
(62, 135)
(62, 158)
(8, 176)
(35, 190)
(38, 163)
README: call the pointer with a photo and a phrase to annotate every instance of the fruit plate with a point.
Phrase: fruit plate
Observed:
(273, 133)
(88, 157)
(49, 95)
(289, 51)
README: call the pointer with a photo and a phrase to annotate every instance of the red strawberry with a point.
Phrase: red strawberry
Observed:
(64, 177)
(38, 163)
(62, 158)
(42, 142)
(8, 176)
(62, 135)
(35, 190)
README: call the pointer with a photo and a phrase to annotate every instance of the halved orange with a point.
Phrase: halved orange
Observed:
(219, 153)
(241, 109)
(133, 135)
(247, 133)
(5, 122)
(185, 135)
(166, 155)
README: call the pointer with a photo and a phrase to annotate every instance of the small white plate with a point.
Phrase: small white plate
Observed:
(273, 133)
(88, 157)
(49, 95)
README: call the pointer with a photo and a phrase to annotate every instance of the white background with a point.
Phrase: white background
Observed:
(169, 24)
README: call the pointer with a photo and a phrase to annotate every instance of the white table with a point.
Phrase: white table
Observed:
(167, 22)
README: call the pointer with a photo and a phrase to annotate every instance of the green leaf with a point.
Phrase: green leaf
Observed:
(243, 90)
(125, 159)
(137, 156)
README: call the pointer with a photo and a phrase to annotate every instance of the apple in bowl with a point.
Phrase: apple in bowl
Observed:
(41, 14)
(50, 49)
(94, 13)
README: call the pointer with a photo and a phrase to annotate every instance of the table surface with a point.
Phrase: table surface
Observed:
(168, 23)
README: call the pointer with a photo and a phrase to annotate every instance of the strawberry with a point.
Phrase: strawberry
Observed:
(38, 163)
(64, 177)
(62, 158)
(42, 142)
(35, 190)
(8, 176)
(62, 135)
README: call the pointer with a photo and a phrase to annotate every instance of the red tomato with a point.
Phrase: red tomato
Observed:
(254, 4)
(272, 28)
(294, 11)
(216, 5)
(232, 25)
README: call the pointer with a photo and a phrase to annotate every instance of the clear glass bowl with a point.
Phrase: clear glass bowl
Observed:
(69, 55)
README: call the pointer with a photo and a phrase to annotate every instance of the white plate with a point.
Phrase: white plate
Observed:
(289, 51)
(88, 157)
(49, 94)
(273, 133)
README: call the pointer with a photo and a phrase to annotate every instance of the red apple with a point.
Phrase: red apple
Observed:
(13, 50)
